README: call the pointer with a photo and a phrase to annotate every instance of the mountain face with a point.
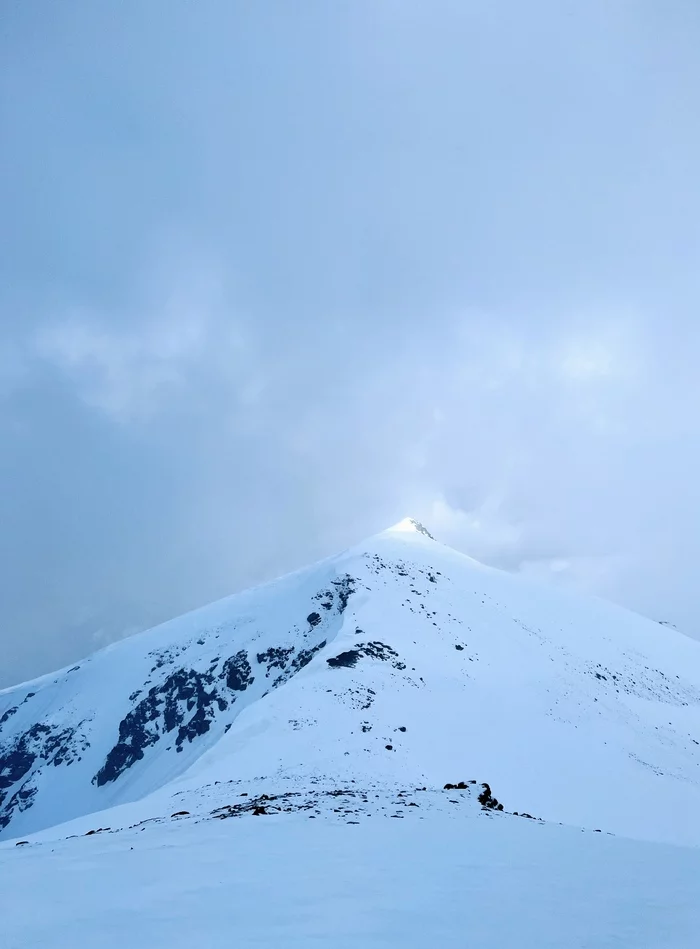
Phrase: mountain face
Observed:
(399, 663)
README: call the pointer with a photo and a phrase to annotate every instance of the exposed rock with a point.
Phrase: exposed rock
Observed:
(372, 650)
(487, 800)
(41, 744)
(346, 659)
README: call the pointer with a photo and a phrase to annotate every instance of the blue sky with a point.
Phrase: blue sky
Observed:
(274, 275)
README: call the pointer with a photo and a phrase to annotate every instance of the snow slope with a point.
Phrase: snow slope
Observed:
(396, 665)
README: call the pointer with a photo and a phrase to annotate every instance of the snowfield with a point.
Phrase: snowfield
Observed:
(493, 882)
(394, 747)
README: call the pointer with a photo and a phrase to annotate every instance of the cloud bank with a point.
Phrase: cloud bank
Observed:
(273, 279)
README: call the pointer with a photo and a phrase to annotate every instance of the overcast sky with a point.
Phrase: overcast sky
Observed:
(274, 275)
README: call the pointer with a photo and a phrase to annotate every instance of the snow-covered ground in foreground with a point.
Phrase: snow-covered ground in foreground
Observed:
(487, 881)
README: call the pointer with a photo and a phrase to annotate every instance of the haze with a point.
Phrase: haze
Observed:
(275, 275)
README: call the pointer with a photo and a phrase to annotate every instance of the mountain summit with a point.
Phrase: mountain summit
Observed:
(399, 662)
(409, 524)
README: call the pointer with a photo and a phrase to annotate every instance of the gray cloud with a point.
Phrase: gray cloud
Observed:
(274, 276)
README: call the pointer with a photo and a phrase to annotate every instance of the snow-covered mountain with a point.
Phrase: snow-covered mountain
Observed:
(399, 664)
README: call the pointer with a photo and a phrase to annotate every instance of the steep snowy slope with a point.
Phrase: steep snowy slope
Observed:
(400, 664)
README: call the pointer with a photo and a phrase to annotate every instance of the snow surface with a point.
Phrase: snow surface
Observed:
(487, 881)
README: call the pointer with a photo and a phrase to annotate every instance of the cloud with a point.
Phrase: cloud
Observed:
(432, 259)
(510, 447)
(126, 375)
(13, 367)
(133, 366)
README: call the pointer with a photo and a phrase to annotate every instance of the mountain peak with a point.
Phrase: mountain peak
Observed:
(410, 524)
(398, 663)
